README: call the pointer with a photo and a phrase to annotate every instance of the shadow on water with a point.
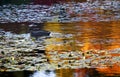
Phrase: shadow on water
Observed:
(20, 28)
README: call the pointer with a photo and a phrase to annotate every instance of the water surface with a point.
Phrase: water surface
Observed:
(75, 37)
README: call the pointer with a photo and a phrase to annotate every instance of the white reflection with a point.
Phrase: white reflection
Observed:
(44, 74)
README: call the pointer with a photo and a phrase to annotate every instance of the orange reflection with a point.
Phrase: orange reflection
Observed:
(81, 72)
(85, 35)
(115, 34)
(110, 71)
(99, 35)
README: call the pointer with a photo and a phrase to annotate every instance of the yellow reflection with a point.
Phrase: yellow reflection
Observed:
(85, 36)
(54, 47)
(65, 73)
(53, 27)
(64, 41)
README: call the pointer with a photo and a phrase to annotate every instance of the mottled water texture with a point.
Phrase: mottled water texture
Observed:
(64, 43)
(26, 46)
(82, 35)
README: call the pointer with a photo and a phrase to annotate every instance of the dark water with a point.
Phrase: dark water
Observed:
(18, 28)
(58, 73)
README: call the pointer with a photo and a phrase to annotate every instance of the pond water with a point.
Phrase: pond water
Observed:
(87, 35)
(69, 38)
(59, 73)
(77, 36)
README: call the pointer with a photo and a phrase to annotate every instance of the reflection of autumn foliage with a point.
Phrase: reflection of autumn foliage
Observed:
(64, 72)
(86, 35)
(86, 72)
(81, 72)
(115, 54)
(58, 47)
(110, 71)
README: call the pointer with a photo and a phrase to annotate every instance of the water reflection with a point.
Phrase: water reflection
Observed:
(18, 28)
(75, 36)
(62, 73)
(47, 73)
(66, 37)
(86, 35)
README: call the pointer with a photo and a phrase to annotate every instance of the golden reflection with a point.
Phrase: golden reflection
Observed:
(86, 33)
(53, 27)
(61, 36)
(65, 73)
(115, 29)
(85, 36)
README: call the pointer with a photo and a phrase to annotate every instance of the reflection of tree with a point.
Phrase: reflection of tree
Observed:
(110, 71)
(53, 27)
(23, 29)
(18, 74)
(17, 28)
(98, 35)
(63, 42)
(101, 34)
(65, 73)
(67, 29)
(115, 35)
(81, 73)
(87, 35)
